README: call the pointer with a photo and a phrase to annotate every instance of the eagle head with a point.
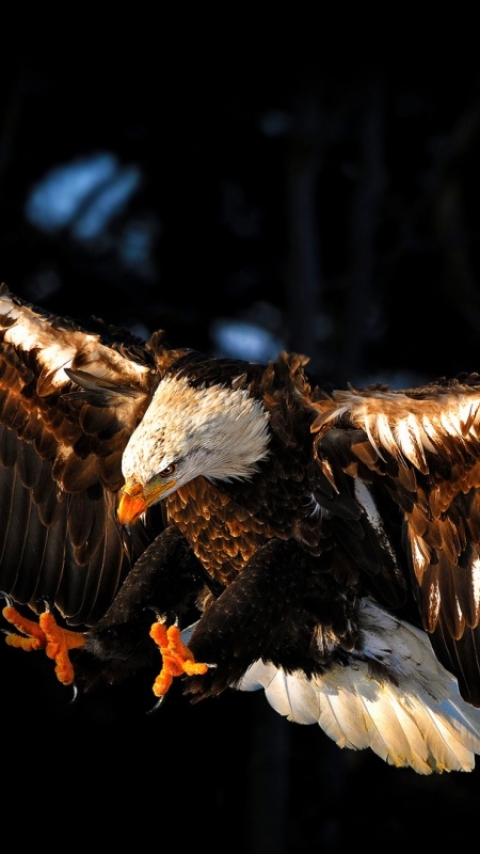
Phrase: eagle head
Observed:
(218, 431)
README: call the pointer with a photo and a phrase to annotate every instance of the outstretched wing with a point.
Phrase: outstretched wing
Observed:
(69, 400)
(418, 450)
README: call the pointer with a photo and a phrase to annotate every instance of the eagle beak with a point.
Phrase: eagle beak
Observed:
(135, 499)
(131, 505)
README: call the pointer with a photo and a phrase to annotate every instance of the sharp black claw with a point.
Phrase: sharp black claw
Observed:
(160, 618)
(156, 707)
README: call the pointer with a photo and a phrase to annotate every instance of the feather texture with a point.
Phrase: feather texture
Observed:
(411, 716)
(325, 541)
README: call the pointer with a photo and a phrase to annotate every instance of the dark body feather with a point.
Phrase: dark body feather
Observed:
(363, 495)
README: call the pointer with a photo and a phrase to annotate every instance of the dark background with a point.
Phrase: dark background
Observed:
(333, 205)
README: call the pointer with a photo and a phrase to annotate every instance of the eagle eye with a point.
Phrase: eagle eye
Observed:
(168, 470)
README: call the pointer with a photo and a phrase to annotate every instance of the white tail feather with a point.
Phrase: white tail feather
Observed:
(416, 719)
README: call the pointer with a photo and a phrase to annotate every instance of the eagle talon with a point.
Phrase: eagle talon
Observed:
(74, 694)
(47, 635)
(160, 618)
(157, 705)
(177, 659)
(31, 635)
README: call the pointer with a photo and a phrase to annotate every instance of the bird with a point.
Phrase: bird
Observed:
(244, 526)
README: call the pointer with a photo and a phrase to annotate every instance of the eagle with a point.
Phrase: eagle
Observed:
(244, 526)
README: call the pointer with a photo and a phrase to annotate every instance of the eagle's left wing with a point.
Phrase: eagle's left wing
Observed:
(417, 451)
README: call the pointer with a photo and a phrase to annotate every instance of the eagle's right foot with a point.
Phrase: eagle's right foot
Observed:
(47, 635)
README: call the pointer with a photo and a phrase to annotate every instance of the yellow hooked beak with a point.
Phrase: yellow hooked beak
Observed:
(135, 499)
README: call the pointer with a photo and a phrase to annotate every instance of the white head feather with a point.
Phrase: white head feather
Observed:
(218, 432)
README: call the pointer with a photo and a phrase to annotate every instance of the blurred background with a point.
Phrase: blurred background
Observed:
(246, 199)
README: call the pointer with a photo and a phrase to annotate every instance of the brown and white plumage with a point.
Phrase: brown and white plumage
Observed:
(323, 542)
(61, 458)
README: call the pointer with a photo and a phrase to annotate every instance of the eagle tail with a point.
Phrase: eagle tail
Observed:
(393, 697)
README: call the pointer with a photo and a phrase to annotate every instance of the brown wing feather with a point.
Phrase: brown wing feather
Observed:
(61, 440)
(422, 446)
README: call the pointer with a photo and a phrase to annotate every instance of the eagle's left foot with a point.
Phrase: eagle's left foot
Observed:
(177, 658)
(47, 635)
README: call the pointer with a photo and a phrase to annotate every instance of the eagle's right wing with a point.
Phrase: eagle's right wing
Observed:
(69, 400)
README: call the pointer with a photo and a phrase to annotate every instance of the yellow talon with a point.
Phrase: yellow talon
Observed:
(177, 658)
(32, 638)
(58, 642)
(47, 635)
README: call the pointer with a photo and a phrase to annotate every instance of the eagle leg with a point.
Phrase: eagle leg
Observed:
(177, 659)
(47, 635)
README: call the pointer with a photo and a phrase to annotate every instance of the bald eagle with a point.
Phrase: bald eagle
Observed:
(259, 528)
